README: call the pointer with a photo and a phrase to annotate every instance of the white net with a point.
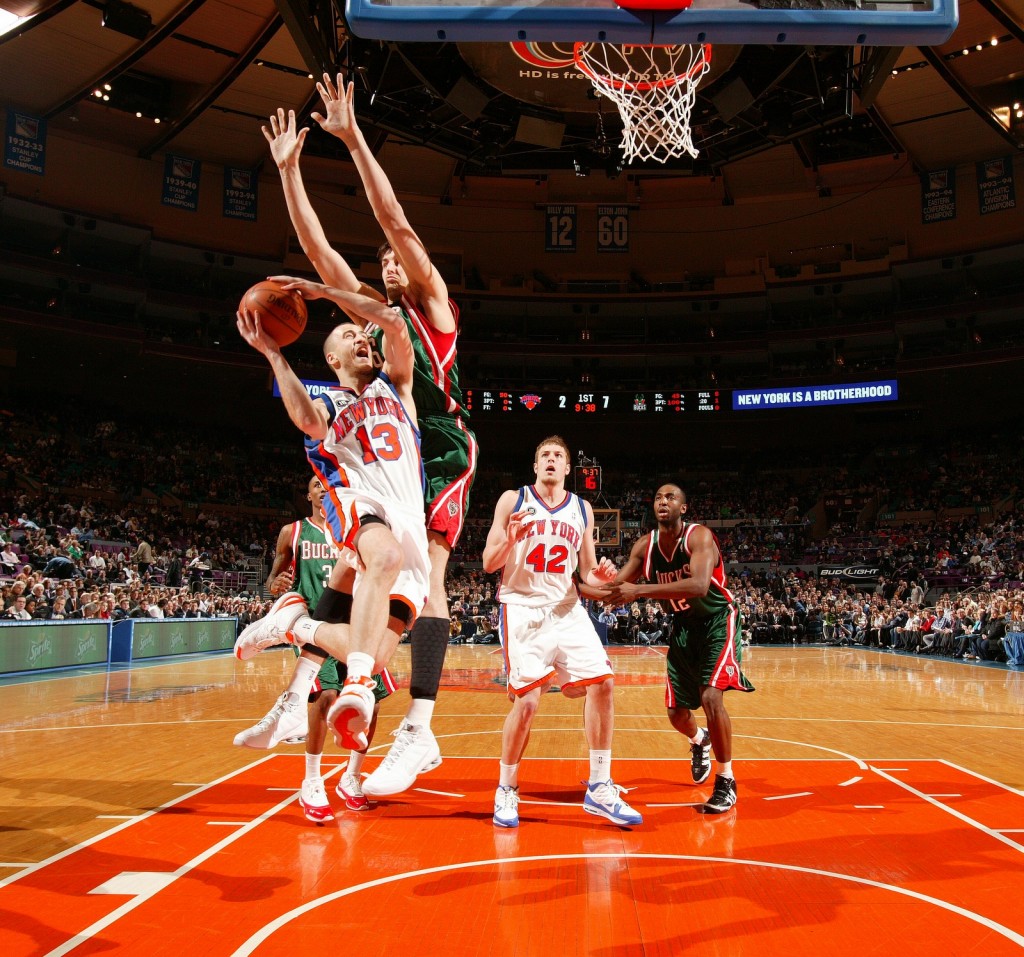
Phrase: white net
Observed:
(654, 88)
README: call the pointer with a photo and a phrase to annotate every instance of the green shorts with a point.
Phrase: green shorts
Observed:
(332, 674)
(704, 651)
(449, 452)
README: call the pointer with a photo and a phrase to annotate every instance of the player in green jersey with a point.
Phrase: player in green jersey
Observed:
(683, 566)
(303, 560)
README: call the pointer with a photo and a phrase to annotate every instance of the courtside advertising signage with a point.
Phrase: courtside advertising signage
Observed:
(804, 396)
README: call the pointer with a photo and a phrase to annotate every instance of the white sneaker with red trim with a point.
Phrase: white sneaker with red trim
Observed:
(272, 628)
(313, 801)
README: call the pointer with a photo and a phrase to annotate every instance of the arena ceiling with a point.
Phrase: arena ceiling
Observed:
(210, 71)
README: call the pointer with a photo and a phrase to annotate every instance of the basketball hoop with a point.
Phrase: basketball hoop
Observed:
(654, 88)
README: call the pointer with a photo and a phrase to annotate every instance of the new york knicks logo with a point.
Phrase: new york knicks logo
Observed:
(531, 400)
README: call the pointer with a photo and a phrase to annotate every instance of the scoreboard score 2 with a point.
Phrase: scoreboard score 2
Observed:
(588, 479)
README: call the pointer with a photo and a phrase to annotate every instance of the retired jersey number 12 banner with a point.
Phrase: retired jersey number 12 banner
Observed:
(560, 234)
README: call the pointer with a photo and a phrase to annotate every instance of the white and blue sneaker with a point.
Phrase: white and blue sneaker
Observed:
(603, 799)
(506, 806)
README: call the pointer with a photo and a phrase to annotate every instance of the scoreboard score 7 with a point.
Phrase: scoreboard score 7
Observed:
(588, 479)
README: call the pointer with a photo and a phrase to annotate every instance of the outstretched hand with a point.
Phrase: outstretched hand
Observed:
(285, 138)
(339, 116)
(304, 287)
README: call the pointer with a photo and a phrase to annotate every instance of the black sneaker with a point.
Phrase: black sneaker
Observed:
(722, 798)
(700, 760)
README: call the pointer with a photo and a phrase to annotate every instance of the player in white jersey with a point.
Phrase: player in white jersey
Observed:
(365, 438)
(540, 537)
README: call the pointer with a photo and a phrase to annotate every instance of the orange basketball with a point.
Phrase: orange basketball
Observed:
(282, 311)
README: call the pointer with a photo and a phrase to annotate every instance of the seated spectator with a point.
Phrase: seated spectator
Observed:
(18, 610)
(8, 560)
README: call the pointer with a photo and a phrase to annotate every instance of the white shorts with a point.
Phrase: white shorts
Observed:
(345, 512)
(553, 642)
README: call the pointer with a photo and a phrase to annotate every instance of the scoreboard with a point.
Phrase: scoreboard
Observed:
(500, 402)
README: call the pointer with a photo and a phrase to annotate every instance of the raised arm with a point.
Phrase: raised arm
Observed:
(286, 141)
(506, 529)
(309, 416)
(427, 287)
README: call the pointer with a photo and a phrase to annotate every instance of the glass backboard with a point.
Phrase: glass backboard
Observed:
(820, 22)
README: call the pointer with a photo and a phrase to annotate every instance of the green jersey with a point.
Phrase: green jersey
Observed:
(313, 557)
(669, 561)
(435, 385)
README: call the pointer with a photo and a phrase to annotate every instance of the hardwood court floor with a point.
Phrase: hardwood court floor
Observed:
(880, 811)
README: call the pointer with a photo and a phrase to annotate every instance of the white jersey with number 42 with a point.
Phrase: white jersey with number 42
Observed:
(540, 566)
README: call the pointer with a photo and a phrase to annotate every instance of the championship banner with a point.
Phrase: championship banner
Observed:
(613, 229)
(560, 229)
(850, 573)
(181, 182)
(938, 195)
(995, 185)
(25, 143)
(241, 193)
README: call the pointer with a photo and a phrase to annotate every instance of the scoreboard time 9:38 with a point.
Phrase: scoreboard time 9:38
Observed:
(501, 402)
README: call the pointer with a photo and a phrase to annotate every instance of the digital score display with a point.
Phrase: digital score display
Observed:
(498, 401)
(588, 478)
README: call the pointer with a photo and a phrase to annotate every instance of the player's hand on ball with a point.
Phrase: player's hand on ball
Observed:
(305, 288)
(252, 331)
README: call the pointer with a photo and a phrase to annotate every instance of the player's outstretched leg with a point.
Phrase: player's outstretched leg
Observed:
(272, 628)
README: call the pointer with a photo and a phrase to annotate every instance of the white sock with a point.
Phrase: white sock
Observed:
(360, 664)
(508, 775)
(724, 768)
(421, 710)
(698, 737)
(304, 630)
(303, 677)
(312, 765)
(355, 762)
(600, 766)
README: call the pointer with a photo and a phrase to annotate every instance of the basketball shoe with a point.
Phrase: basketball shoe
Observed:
(722, 797)
(313, 801)
(285, 721)
(350, 790)
(415, 750)
(351, 713)
(506, 806)
(700, 760)
(272, 628)
(603, 799)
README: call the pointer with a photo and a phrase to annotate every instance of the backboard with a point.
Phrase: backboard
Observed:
(825, 22)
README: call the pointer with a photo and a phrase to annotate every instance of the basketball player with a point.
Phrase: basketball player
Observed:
(540, 536)
(683, 566)
(365, 450)
(449, 448)
(303, 561)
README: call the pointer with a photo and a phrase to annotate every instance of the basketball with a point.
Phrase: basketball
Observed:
(282, 312)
